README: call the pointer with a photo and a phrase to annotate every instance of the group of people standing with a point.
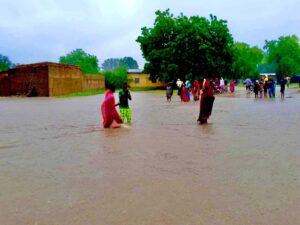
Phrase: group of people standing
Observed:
(203, 90)
(188, 89)
(266, 87)
(112, 119)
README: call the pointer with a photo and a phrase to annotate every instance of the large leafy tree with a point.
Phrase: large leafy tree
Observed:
(186, 47)
(5, 63)
(88, 63)
(246, 60)
(285, 54)
(114, 63)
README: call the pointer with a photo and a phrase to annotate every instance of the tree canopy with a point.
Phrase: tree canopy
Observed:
(246, 60)
(186, 47)
(88, 63)
(114, 63)
(5, 63)
(285, 54)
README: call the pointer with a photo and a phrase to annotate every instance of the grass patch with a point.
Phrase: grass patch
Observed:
(149, 90)
(142, 89)
(298, 90)
(82, 93)
(294, 85)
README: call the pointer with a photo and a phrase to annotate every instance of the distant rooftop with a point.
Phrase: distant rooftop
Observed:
(134, 71)
(269, 74)
(46, 64)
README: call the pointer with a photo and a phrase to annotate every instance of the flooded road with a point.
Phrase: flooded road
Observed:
(59, 166)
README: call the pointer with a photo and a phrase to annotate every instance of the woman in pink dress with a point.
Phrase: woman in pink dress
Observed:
(111, 117)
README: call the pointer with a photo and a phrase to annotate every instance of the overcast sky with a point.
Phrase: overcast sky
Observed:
(43, 30)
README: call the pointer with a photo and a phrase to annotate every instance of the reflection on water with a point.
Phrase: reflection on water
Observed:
(59, 166)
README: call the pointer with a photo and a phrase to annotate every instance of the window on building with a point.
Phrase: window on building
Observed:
(136, 80)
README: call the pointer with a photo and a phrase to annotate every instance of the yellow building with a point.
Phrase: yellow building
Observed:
(136, 78)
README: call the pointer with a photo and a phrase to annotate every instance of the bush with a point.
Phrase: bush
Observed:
(115, 77)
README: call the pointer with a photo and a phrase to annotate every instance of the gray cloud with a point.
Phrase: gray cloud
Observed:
(34, 30)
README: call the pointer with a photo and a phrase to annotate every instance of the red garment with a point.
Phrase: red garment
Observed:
(197, 87)
(108, 110)
(231, 87)
(206, 102)
(184, 96)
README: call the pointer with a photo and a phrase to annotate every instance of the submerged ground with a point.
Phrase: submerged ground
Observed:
(58, 166)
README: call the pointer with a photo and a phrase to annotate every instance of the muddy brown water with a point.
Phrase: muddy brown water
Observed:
(59, 166)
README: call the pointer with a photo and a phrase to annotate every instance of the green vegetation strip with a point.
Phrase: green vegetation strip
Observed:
(141, 89)
(149, 90)
(82, 93)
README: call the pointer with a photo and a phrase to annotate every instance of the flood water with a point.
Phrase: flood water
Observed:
(59, 166)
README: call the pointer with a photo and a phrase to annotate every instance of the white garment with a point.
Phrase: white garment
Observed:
(179, 83)
(222, 82)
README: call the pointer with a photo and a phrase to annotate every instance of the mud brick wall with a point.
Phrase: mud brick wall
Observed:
(4, 84)
(49, 79)
(93, 82)
(64, 79)
(25, 77)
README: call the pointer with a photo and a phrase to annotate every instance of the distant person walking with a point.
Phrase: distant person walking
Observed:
(196, 91)
(288, 82)
(169, 92)
(222, 85)
(282, 88)
(179, 84)
(232, 87)
(261, 87)
(256, 88)
(249, 85)
(184, 94)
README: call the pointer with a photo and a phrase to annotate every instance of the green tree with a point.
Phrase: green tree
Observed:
(266, 68)
(129, 63)
(186, 47)
(285, 54)
(110, 64)
(88, 63)
(5, 63)
(114, 63)
(115, 77)
(246, 60)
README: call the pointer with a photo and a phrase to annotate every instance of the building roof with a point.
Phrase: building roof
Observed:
(269, 74)
(46, 64)
(134, 71)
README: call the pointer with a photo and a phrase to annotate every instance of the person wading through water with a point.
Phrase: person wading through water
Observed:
(206, 101)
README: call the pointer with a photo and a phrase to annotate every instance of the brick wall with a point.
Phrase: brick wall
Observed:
(25, 77)
(4, 84)
(64, 79)
(49, 79)
(93, 82)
